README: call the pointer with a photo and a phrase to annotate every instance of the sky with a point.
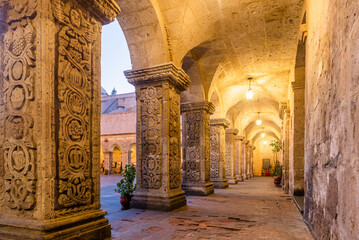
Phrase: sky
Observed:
(115, 58)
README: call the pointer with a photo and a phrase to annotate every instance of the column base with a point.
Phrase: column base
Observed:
(198, 189)
(232, 180)
(144, 200)
(72, 227)
(239, 178)
(220, 184)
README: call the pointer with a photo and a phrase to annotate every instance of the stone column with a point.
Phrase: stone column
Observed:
(252, 160)
(296, 160)
(246, 159)
(50, 119)
(158, 136)
(108, 161)
(249, 172)
(239, 157)
(218, 149)
(129, 157)
(196, 148)
(286, 126)
(231, 155)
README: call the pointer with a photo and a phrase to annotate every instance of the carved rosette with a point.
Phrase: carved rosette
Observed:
(217, 138)
(196, 129)
(77, 32)
(158, 124)
(18, 164)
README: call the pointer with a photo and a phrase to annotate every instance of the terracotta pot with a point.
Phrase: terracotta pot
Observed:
(125, 202)
(277, 180)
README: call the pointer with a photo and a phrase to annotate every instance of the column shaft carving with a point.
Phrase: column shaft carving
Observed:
(158, 136)
(196, 148)
(50, 118)
(245, 159)
(108, 161)
(231, 155)
(239, 158)
(218, 149)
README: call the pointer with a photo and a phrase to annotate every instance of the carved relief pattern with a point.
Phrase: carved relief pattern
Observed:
(175, 138)
(75, 41)
(207, 150)
(18, 174)
(192, 160)
(214, 138)
(150, 105)
(228, 157)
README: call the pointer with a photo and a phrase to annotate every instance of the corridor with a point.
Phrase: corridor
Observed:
(254, 209)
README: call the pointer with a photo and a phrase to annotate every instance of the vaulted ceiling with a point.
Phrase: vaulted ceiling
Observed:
(220, 44)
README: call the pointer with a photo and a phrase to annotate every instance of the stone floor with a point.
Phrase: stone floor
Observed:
(254, 209)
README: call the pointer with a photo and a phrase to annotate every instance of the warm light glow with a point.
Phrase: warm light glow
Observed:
(264, 142)
(263, 134)
(250, 94)
(259, 122)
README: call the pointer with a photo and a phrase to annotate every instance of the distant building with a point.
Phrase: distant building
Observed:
(118, 130)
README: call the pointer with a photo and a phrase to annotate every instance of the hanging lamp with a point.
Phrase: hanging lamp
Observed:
(259, 121)
(250, 91)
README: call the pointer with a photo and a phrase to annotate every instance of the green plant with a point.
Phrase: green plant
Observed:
(126, 187)
(276, 147)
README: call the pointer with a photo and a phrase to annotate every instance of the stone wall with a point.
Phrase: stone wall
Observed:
(262, 151)
(332, 125)
(118, 123)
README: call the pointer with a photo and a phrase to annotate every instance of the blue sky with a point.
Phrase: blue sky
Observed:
(115, 58)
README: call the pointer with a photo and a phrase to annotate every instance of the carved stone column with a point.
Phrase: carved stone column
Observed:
(196, 148)
(231, 155)
(218, 149)
(129, 157)
(108, 161)
(245, 159)
(239, 158)
(296, 155)
(249, 160)
(252, 161)
(158, 136)
(50, 119)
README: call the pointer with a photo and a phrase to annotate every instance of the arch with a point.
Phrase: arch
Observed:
(195, 92)
(216, 100)
(145, 31)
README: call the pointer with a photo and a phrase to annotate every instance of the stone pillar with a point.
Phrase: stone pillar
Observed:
(129, 157)
(252, 160)
(108, 161)
(239, 158)
(50, 119)
(158, 136)
(249, 161)
(218, 149)
(244, 164)
(296, 160)
(286, 126)
(196, 148)
(231, 155)
(246, 159)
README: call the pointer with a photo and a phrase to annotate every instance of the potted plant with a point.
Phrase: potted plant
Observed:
(277, 170)
(126, 186)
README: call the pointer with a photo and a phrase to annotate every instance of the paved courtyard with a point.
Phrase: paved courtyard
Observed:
(254, 209)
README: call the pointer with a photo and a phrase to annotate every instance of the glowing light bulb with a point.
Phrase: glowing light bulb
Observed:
(263, 134)
(250, 94)
(264, 142)
(259, 122)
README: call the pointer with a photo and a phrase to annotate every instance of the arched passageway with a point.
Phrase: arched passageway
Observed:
(233, 70)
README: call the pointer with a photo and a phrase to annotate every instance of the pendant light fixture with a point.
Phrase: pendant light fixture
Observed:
(250, 91)
(259, 121)
(263, 134)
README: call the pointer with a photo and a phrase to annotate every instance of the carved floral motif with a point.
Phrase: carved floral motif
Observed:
(18, 186)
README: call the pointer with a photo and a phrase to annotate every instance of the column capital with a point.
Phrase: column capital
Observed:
(246, 141)
(233, 131)
(298, 85)
(198, 106)
(164, 72)
(241, 138)
(106, 10)
(220, 122)
(254, 148)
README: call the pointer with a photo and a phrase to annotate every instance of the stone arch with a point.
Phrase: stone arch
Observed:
(145, 31)
(195, 92)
